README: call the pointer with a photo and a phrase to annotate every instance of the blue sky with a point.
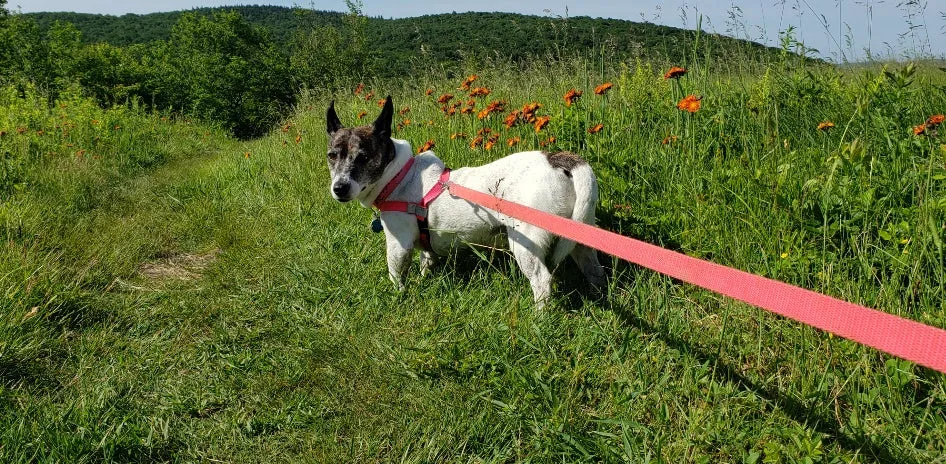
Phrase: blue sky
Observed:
(837, 28)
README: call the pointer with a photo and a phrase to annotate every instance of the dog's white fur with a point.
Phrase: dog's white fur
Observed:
(526, 177)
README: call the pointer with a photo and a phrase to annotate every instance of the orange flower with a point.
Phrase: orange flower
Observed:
(299, 138)
(246, 154)
(428, 91)
(935, 120)
(458, 135)
(469, 80)
(286, 127)
(445, 98)
(490, 142)
(427, 146)
(362, 114)
(449, 111)
(919, 130)
(381, 102)
(359, 89)
(2, 133)
(541, 122)
(494, 107)
(369, 96)
(511, 119)
(595, 129)
(669, 139)
(547, 142)
(572, 96)
(484, 131)
(476, 141)
(690, 103)
(513, 141)
(825, 126)
(675, 72)
(403, 123)
(405, 110)
(603, 88)
(479, 92)
(528, 111)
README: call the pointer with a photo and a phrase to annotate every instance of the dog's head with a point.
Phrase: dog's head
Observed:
(357, 156)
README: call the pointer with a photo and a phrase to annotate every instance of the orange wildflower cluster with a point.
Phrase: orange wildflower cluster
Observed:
(603, 88)
(359, 89)
(496, 106)
(541, 122)
(362, 114)
(526, 114)
(457, 135)
(369, 96)
(513, 141)
(675, 72)
(466, 83)
(470, 105)
(485, 138)
(932, 123)
(445, 98)
(427, 146)
(479, 92)
(381, 102)
(825, 126)
(572, 96)
(690, 103)
(595, 129)
(547, 142)
(428, 92)
(669, 139)
(403, 124)
(405, 110)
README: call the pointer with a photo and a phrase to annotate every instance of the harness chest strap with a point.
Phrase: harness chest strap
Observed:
(419, 210)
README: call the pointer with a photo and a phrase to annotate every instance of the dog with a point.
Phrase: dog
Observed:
(367, 165)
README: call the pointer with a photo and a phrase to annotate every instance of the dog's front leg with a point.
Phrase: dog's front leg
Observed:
(400, 232)
(399, 258)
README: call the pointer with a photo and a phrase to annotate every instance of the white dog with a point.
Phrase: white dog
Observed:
(368, 165)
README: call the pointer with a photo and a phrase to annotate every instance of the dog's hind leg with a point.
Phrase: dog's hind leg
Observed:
(528, 245)
(587, 260)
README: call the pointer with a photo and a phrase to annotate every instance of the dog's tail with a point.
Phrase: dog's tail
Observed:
(586, 198)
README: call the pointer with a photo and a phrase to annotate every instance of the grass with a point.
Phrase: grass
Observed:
(171, 294)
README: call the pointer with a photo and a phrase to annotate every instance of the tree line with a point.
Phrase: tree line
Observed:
(242, 67)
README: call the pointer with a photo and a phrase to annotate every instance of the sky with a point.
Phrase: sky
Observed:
(841, 30)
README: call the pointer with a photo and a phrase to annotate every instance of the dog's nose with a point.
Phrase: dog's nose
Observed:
(341, 189)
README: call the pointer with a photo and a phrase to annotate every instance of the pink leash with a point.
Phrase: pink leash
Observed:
(910, 340)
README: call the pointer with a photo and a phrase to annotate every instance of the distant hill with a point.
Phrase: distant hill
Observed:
(439, 38)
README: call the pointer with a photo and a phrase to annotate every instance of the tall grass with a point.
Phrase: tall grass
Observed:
(273, 334)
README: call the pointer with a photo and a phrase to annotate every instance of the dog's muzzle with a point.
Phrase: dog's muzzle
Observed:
(344, 191)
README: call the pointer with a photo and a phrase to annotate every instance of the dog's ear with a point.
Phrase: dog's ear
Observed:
(332, 124)
(382, 125)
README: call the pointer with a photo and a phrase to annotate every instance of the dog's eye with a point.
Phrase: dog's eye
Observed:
(332, 155)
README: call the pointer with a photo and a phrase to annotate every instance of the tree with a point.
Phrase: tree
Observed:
(221, 68)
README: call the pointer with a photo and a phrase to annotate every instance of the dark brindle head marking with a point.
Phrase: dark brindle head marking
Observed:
(564, 160)
(357, 156)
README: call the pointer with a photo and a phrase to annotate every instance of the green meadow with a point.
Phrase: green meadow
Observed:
(171, 293)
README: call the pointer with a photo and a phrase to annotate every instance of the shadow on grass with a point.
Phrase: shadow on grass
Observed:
(774, 399)
(30, 373)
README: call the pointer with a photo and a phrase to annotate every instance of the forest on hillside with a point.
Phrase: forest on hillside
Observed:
(243, 67)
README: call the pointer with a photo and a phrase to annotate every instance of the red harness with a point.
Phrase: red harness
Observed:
(419, 210)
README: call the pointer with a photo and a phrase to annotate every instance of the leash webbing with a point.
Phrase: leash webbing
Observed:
(904, 338)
